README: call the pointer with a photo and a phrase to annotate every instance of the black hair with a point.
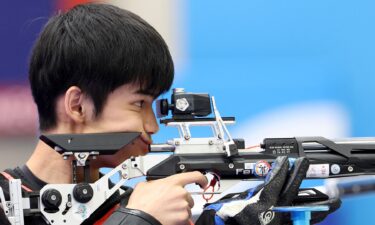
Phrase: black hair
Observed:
(97, 47)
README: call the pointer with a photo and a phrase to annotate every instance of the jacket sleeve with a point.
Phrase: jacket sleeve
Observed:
(126, 216)
(3, 219)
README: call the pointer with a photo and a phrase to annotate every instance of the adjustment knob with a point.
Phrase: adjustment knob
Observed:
(51, 199)
(162, 108)
(83, 192)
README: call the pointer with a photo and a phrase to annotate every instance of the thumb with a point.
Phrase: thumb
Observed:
(294, 180)
(275, 180)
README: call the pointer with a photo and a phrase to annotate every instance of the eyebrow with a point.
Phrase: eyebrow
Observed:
(144, 92)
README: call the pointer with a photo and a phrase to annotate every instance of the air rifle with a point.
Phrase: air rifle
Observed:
(228, 157)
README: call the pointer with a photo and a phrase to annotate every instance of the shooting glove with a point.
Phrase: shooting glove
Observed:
(252, 207)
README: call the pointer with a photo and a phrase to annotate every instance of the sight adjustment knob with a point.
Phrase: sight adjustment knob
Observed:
(51, 199)
(83, 192)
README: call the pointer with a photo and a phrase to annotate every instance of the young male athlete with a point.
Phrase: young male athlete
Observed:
(98, 68)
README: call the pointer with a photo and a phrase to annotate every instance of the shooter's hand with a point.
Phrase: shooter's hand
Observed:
(165, 200)
(254, 206)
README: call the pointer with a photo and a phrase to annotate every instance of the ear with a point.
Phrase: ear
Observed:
(75, 103)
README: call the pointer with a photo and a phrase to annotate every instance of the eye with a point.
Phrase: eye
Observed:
(139, 103)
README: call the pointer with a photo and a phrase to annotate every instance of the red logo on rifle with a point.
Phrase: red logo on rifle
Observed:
(262, 168)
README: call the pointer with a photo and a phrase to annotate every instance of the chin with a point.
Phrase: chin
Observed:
(138, 152)
(110, 161)
(122, 155)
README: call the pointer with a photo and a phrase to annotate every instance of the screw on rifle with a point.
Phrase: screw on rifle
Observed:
(350, 169)
(210, 142)
(177, 143)
(124, 175)
(187, 137)
(231, 165)
(124, 166)
(182, 167)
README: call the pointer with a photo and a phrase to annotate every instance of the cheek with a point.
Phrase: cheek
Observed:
(118, 123)
(133, 124)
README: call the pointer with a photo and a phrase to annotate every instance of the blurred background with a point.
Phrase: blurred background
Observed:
(282, 68)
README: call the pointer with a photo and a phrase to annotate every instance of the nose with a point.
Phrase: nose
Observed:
(150, 125)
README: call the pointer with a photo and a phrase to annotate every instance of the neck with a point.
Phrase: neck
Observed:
(50, 167)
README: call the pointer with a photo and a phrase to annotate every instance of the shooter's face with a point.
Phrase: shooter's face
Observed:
(126, 110)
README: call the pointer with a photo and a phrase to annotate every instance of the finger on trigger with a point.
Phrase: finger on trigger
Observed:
(190, 178)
